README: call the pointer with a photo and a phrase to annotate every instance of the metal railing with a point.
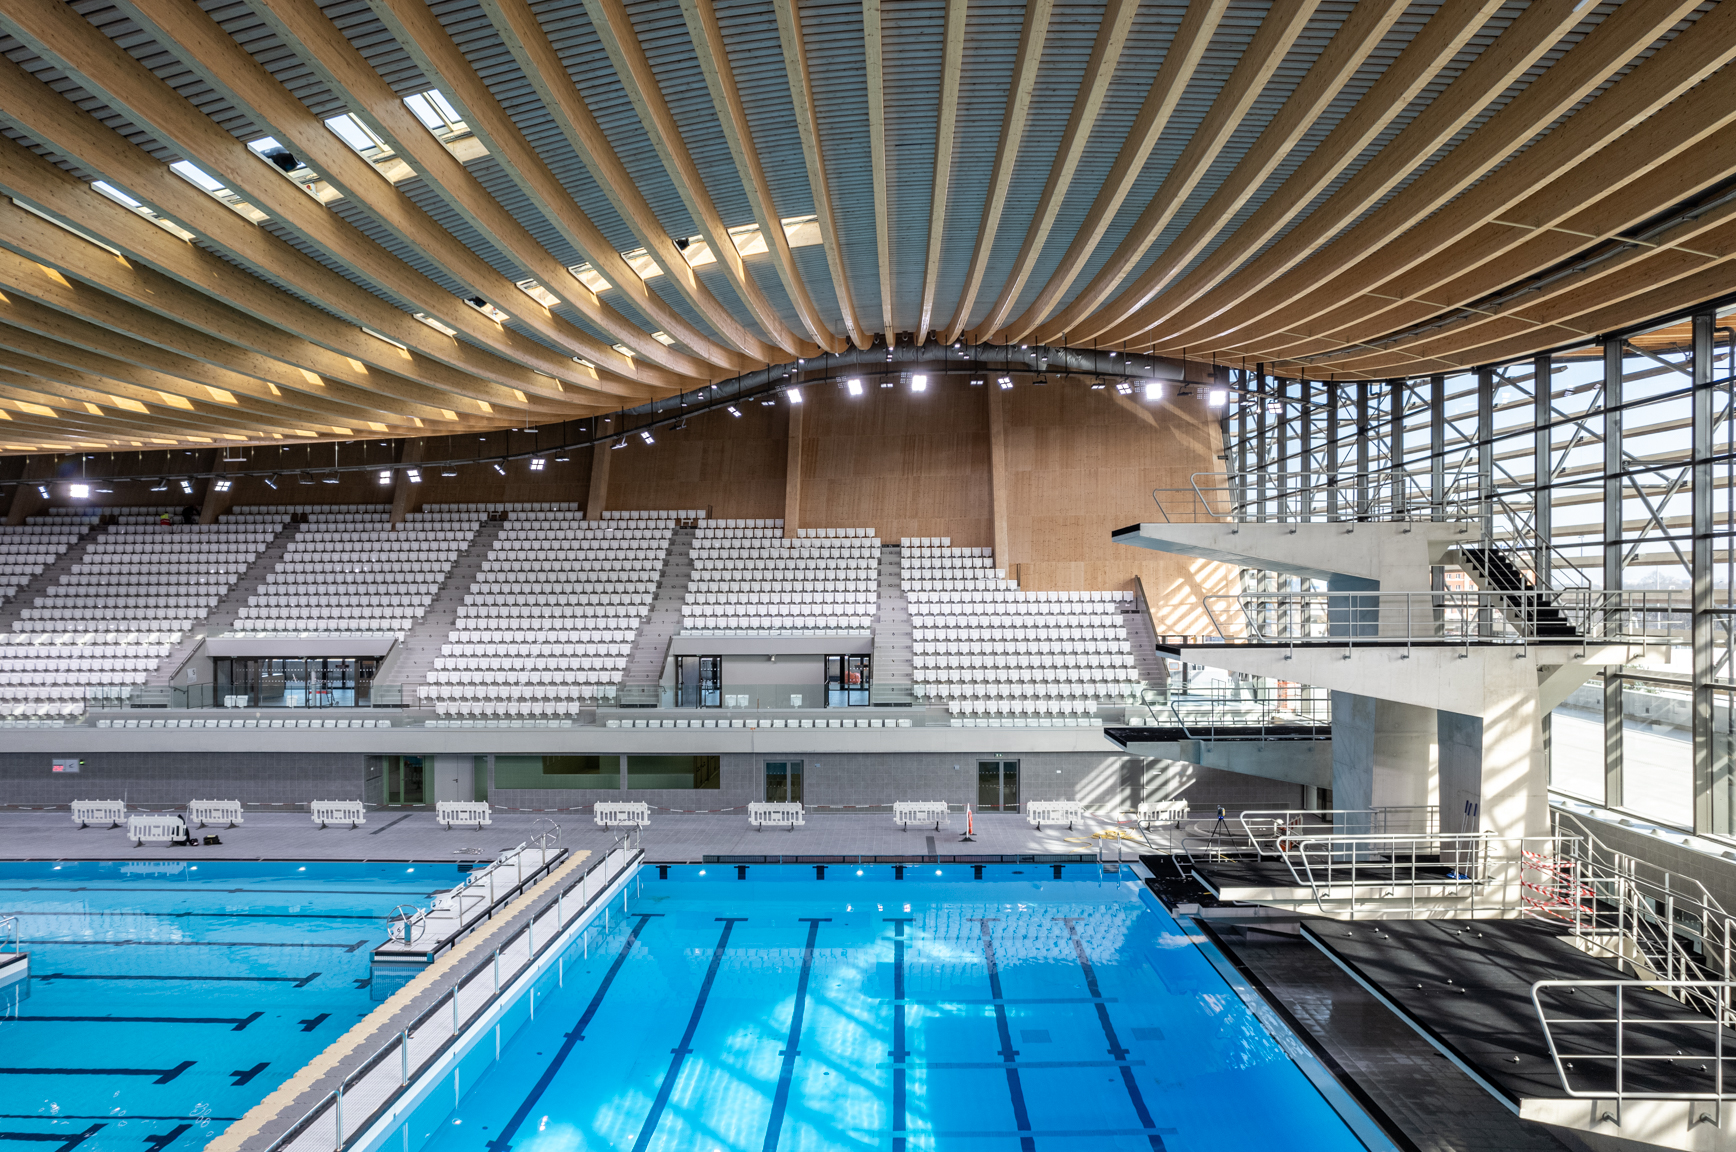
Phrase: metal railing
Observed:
(1266, 497)
(1340, 619)
(1637, 1046)
(9, 926)
(428, 1038)
(1274, 831)
(1244, 706)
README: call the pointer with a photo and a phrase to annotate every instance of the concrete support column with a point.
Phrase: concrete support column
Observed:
(1498, 765)
(793, 472)
(1383, 754)
(597, 499)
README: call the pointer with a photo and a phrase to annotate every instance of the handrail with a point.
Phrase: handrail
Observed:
(1261, 497)
(1454, 618)
(625, 844)
(1714, 992)
(1284, 827)
(12, 923)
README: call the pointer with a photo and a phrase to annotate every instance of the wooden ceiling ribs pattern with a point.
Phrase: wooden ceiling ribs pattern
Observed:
(262, 221)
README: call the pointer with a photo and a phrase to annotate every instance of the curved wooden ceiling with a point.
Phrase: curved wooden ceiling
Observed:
(246, 221)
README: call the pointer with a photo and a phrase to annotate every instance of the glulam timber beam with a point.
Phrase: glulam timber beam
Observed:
(951, 76)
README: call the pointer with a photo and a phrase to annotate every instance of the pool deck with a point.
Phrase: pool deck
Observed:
(413, 834)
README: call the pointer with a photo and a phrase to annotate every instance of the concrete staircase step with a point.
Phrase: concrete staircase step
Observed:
(46, 579)
(412, 658)
(644, 672)
(221, 618)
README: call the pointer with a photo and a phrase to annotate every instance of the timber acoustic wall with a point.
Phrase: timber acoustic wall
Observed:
(1071, 466)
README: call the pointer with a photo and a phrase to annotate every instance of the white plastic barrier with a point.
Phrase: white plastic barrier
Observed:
(450, 812)
(1154, 812)
(908, 812)
(98, 811)
(351, 812)
(142, 828)
(614, 812)
(203, 812)
(777, 815)
(1041, 812)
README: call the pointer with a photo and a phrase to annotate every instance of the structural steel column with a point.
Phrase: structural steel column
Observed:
(1262, 453)
(1363, 430)
(1542, 520)
(1613, 793)
(1701, 576)
(1486, 474)
(1282, 388)
(1305, 451)
(1438, 445)
(1331, 387)
(1395, 447)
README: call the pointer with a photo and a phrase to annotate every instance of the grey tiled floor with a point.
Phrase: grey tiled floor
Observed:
(412, 834)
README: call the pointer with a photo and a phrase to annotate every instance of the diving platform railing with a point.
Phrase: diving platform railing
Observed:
(382, 1081)
(1449, 618)
(1265, 497)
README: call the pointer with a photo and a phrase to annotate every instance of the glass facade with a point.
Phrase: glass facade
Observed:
(1609, 464)
(301, 682)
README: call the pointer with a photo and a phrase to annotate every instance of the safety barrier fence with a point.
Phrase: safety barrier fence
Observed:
(384, 1076)
(1352, 619)
(1266, 497)
(1647, 1042)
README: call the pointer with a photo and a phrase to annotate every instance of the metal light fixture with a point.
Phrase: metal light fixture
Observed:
(919, 383)
(536, 463)
(854, 385)
(1154, 390)
(413, 475)
(385, 475)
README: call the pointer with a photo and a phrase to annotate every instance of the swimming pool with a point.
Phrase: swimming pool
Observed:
(859, 1011)
(169, 997)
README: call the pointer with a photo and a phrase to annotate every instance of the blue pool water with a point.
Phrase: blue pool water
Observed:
(940, 1012)
(167, 998)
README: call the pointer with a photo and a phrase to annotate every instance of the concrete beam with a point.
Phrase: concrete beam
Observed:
(1351, 557)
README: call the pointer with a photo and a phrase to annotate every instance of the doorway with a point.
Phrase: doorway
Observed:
(847, 681)
(783, 781)
(998, 785)
(404, 780)
(699, 681)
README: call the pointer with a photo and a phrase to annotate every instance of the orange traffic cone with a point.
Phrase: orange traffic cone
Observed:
(969, 825)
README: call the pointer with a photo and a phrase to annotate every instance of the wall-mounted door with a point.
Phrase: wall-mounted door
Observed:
(699, 681)
(998, 785)
(783, 781)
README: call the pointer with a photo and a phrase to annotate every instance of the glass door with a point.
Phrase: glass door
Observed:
(404, 781)
(783, 781)
(847, 679)
(699, 681)
(998, 785)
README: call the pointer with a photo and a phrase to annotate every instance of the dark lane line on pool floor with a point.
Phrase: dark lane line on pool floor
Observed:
(1009, 1054)
(504, 1141)
(67, 1142)
(1115, 1047)
(239, 1023)
(781, 1098)
(899, 1055)
(298, 981)
(679, 1055)
(163, 1075)
(359, 944)
(163, 1140)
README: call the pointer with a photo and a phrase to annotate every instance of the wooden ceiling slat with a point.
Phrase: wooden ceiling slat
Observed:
(1278, 33)
(874, 54)
(204, 45)
(1190, 43)
(952, 69)
(615, 27)
(807, 123)
(1087, 315)
(713, 56)
(1592, 62)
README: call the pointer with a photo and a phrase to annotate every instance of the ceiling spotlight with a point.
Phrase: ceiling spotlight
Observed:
(1040, 381)
(1005, 382)
(304, 478)
(1112, 355)
(681, 424)
(1124, 387)
(187, 486)
(919, 383)
(271, 482)
(413, 475)
(1154, 390)
(621, 443)
(1098, 385)
(160, 484)
(220, 485)
(645, 435)
(449, 470)
(978, 383)
(78, 491)
(536, 463)
(498, 468)
(795, 395)
(1217, 397)
(42, 490)
(734, 411)
(385, 475)
(330, 478)
(854, 385)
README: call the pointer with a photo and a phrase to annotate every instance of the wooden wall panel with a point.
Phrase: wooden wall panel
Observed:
(734, 467)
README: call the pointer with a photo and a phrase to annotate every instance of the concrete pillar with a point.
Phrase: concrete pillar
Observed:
(597, 499)
(1498, 764)
(793, 471)
(1383, 754)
